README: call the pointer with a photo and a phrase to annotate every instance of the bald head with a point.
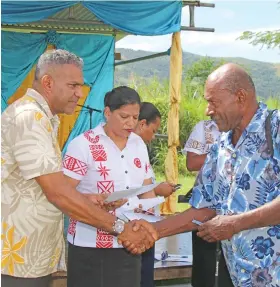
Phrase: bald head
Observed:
(233, 78)
(231, 97)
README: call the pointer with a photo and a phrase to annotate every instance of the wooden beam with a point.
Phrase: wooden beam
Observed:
(198, 4)
(197, 29)
(142, 58)
(118, 56)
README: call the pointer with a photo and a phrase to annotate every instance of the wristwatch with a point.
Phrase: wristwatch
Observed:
(118, 226)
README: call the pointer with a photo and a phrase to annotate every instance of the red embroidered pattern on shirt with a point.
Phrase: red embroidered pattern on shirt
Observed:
(137, 162)
(103, 238)
(98, 153)
(72, 226)
(89, 135)
(103, 170)
(75, 165)
(106, 186)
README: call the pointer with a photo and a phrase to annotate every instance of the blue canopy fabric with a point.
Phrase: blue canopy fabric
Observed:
(20, 51)
(139, 17)
(15, 12)
(98, 54)
(19, 54)
(135, 17)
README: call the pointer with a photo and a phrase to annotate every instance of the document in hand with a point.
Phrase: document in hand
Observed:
(136, 216)
(127, 193)
(146, 203)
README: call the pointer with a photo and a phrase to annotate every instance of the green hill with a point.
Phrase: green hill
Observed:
(266, 76)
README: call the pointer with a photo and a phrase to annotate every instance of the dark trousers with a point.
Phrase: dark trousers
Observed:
(147, 268)
(204, 265)
(101, 267)
(9, 281)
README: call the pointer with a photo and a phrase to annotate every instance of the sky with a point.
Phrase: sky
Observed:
(230, 19)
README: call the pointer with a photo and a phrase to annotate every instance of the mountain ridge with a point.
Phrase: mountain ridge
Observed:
(266, 76)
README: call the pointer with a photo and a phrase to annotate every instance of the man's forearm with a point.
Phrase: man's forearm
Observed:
(265, 215)
(194, 161)
(183, 222)
(76, 205)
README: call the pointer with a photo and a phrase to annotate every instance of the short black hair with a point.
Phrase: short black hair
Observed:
(148, 112)
(121, 96)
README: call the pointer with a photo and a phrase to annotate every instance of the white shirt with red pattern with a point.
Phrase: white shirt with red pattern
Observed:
(101, 167)
(203, 136)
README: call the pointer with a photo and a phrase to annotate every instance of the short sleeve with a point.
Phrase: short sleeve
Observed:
(149, 173)
(202, 192)
(275, 126)
(196, 141)
(35, 147)
(75, 161)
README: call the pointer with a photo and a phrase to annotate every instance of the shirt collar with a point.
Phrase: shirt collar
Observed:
(99, 130)
(42, 102)
(211, 124)
(255, 126)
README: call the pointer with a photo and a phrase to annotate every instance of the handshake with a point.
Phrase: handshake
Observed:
(138, 236)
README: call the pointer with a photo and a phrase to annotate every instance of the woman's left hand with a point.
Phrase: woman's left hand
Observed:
(97, 199)
(114, 205)
(140, 210)
(165, 189)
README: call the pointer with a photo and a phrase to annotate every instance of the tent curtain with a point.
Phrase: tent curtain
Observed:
(171, 162)
(139, 17)
(98, 54)
(135, 17)
(21, 51)
(15, 12)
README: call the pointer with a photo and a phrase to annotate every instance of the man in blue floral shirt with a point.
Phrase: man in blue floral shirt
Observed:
(239, 184)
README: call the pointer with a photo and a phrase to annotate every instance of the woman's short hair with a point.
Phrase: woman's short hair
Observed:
(148, 112)
(121, 96)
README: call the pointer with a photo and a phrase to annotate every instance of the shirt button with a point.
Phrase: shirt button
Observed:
(127, 187)
(122, 156)
(234, 155)
(126, 171)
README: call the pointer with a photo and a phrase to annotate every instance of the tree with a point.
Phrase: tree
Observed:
(268, 39)
(198, 72)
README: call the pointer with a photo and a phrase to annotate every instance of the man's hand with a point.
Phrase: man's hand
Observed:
(114, 205)
(219, 228)
(165, 189)
(138, 236)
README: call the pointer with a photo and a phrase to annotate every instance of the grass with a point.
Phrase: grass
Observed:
(187, 183)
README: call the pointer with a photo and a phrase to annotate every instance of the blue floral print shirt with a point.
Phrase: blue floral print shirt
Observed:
(236, 179)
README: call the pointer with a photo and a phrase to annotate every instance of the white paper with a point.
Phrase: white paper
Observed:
(128, 193)
(174, 258)
(136, 216)
(146, 203)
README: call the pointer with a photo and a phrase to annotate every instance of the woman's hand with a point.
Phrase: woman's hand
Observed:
(114, 205)
(99, 199)
(165, 189)
(140, 210)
